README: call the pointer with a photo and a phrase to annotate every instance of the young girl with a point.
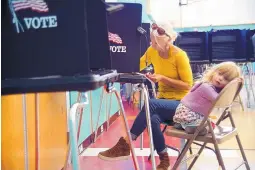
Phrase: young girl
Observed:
(197, 103)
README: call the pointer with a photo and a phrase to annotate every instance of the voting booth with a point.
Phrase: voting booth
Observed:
(225, 45)
(195, 45)
(250, 42)
(125, 41)
(145, 39)
(50, 42)
(52, 46)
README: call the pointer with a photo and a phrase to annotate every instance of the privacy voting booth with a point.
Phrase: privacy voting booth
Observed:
(250, 41)
(53, 47)
(57, 46)
(227, 45)
(125, 41)
(195, 45)
(145, 40)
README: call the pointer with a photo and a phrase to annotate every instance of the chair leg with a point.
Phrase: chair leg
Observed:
(163, 131)
(125, 122)
(190, 151)
(205, 146)
(239, 143)
(195, 159)
(241, 102)
(183, 153)
(242, 152)
(175, 149)
(219, 157)
(217, 149)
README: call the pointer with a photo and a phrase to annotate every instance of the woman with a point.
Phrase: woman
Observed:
(174, 77)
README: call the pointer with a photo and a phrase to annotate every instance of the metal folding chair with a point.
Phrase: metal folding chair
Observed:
(217, 135)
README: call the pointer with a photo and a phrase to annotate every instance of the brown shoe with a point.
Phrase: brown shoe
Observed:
(121, 151)
(164, 162)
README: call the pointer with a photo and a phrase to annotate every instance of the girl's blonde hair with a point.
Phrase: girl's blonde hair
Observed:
(228, 69)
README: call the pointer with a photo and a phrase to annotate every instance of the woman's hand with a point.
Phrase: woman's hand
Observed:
(154, 77)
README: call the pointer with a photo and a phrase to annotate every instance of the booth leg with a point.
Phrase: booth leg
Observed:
(80, 112)
(91, 112)
(140, 108)
(24, 107)
(68, 156)
(246, 83)
(251, 79)
(100, 108)
(147, 110)
(109, 111)
(37, 131)
(127, 129)
(73, 137)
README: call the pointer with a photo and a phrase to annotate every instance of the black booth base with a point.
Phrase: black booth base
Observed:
(200, 62)
(230, 59)
(132, 78)
(57, 83)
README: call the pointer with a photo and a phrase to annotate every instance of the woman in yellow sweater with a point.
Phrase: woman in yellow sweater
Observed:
(174, 76)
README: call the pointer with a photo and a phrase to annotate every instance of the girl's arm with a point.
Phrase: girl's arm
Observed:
(209, 92)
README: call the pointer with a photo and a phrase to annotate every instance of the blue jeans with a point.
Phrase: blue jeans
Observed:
(160, 111)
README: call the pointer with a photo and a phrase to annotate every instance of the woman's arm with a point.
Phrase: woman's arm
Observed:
(178, 84)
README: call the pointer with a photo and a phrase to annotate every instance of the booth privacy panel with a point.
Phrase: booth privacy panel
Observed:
(217, 45)
(250, 41)
(124, 39)
(227, 45)
(195, 45)
(145, 39)
(52, 37)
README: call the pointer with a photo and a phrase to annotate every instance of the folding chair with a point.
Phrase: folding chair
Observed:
(171, 123)
(217, 135)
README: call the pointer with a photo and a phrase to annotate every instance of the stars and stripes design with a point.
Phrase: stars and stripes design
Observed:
(115, 38)
(35, 5)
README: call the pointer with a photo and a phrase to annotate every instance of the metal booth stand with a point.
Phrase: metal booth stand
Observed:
(74, 134)
(140, 79)
(135, 78)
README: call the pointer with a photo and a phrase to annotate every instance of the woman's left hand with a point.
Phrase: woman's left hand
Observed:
(154, 77)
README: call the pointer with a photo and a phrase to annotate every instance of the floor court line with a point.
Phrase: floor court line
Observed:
(146, 152)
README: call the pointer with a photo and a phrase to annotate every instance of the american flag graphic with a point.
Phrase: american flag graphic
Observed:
(115, 38)
(35, 5)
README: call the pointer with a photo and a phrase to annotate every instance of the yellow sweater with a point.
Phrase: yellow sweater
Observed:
(176, 67)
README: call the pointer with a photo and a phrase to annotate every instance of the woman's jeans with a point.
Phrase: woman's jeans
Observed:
(160, 111)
